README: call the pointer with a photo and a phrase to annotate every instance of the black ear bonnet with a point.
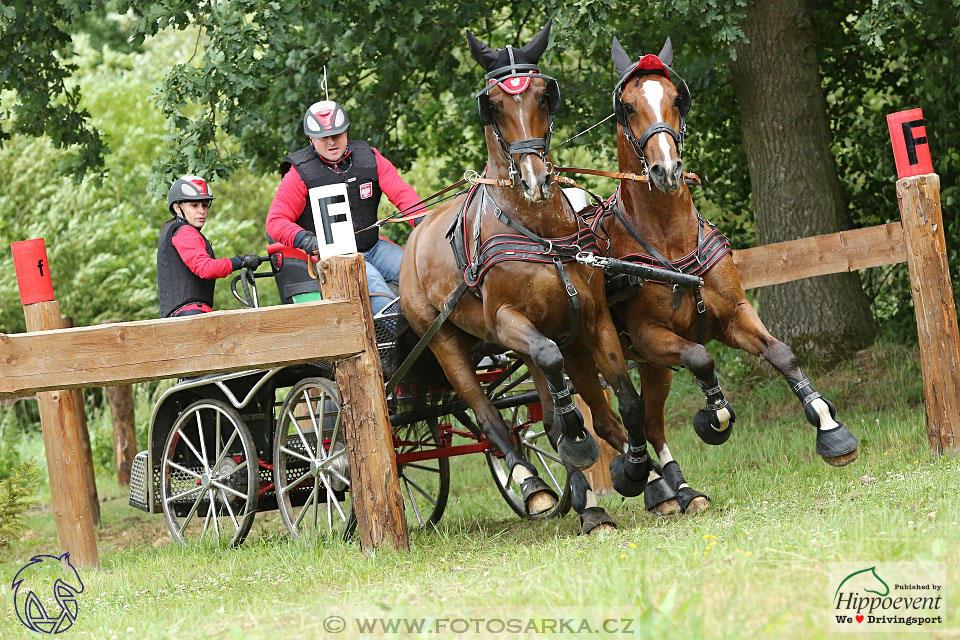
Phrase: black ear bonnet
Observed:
(510, 66)
(514, 68)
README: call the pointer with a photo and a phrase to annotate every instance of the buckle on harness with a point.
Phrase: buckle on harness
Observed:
(701, 307)
(571, 290)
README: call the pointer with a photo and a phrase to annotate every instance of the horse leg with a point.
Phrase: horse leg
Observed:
(576, 446)
(593, 518)
(835, 443)
(585, 378)
(661, 346)
(452, 349)
(671, 493)
(630, 471)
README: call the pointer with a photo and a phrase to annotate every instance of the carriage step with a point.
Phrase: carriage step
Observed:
(138, 482)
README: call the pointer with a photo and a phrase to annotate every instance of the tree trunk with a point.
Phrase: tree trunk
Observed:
(793, 174)
(120, 399)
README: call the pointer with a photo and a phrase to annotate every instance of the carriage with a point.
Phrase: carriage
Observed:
(223, 447)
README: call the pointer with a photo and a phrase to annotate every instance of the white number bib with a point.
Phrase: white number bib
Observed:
(332, 219)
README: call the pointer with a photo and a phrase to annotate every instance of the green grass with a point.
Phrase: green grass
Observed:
(755, 565)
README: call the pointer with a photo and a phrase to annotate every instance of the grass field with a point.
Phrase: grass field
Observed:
(757, 564)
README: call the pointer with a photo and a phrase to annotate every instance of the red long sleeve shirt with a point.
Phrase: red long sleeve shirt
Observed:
(193, 251)
(291, 198)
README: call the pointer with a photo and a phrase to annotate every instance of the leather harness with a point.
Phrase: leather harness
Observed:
(711, 248)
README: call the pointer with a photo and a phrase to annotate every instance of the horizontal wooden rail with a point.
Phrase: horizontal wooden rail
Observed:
(821, 255)
(220, 341)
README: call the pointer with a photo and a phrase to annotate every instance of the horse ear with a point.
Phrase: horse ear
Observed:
(481, 52)
(621, 61)
(666, 54)
(535, 48)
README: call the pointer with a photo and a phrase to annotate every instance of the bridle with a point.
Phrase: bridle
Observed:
(657, 127)
(529, 146)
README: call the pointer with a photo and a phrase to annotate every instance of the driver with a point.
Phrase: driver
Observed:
(332, 158)
(187, 268)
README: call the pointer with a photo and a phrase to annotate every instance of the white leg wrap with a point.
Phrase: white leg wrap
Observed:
(591, 499)
(664, 455)
(653, 475)
(823, 411)
(723, 417)
(520, 473)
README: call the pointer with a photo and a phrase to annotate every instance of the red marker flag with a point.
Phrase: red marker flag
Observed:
(910, 148)
(33, 271)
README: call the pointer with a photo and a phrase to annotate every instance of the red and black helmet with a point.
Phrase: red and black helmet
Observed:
(188, 189)
(325, 118)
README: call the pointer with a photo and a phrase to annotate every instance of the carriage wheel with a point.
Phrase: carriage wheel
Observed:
(311, 474)
(533, 445)
(425, 484)
(210, 475)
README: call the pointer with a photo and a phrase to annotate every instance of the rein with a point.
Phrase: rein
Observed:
(688, 177)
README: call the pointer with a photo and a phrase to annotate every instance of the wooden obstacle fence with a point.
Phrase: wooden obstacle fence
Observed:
(50, 362)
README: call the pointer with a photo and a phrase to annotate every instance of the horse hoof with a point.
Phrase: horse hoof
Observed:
(708, 426)
(692, 501)
(668, 508)
(842, 461)
(659, 498)
(837, 445)
(538, 498)
(623, 481)
(697, 505)
(601, 529)
(595, 519)
(579, 454)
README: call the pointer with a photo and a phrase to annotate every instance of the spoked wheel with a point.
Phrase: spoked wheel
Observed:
(424, 483)
(210, 477)
(311, 475)
(531, 441)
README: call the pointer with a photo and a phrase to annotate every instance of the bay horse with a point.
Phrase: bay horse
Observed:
(511, 247)
(657, 224)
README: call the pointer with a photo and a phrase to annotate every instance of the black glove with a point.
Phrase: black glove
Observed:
(250, 261)
(307, 242)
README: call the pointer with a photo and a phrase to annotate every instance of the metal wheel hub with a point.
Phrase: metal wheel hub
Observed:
(337, 461)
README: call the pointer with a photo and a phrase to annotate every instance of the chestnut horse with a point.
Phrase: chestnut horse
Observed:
(656, 223)
(530, 296)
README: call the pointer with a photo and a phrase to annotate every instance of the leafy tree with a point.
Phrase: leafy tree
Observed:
(245, 71)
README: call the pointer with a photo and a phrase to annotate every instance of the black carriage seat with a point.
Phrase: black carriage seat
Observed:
(293, 279)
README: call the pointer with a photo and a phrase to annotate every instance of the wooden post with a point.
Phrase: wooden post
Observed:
(86, 451)
(918, 194)
(62, 442)
(374, 483)
(919, 199)
(120, 401)
(598, 475)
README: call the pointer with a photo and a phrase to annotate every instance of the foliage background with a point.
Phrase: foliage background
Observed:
(219, 88)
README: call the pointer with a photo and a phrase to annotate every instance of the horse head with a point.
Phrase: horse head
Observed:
(647, 101)
(516, 108)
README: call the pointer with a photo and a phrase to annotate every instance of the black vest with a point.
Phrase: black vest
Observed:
(176, 284)
(316, 173)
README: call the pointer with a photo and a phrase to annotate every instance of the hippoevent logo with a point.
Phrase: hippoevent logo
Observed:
(45, 593)
(888, 596)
